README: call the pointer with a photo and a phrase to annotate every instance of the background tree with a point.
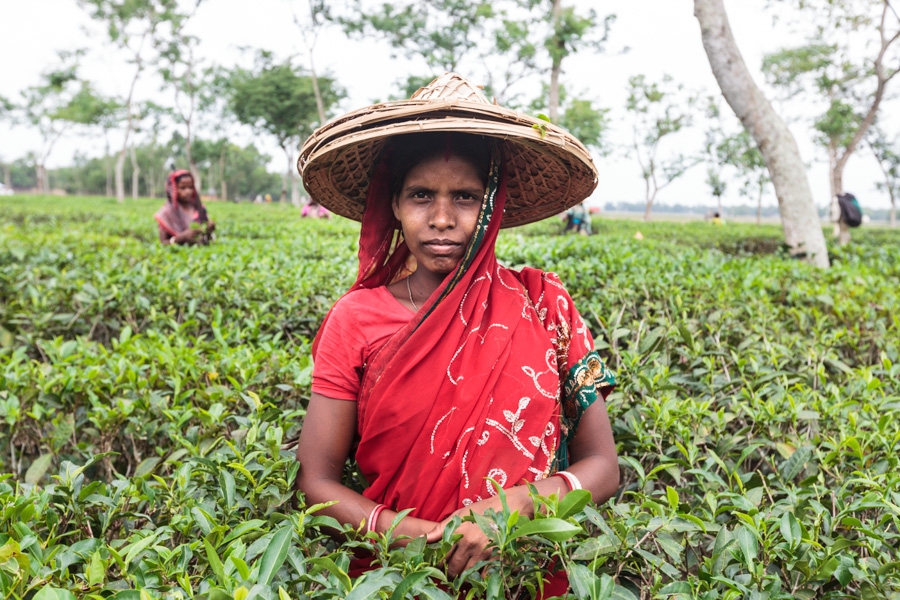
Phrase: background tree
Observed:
(658, 112)
(530, 39)
(441, 32)
(737, 152)
(717, 185)
(188, 80)
(586, 121)
(23, 174)
(846, 67)
(317, 16)
(799, 217)
(58, 103)
(887, 153)
(570, 33)
(278, 99)
(131, 26)
(6, 114)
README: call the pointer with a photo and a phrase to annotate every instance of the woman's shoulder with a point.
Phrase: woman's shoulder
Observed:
(368, 306)
(536, 281)
(362, 299)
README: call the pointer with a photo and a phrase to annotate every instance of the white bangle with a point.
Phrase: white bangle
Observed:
(573, 482)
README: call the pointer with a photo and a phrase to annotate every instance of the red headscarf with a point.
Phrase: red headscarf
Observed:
(470, 388)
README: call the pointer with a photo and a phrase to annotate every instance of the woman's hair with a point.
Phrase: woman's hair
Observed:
(182, 176)
(406, 151)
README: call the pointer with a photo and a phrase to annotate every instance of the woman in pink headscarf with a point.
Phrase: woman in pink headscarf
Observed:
(182, 210)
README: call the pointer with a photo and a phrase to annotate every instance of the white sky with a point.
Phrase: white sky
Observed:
(663, 37)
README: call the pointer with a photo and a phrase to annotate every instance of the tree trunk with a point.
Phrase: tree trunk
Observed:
(222, 184)
(106, 164)
(893, 215)
(40, 173)
(192, 166)
(553, 100)
(135, 174)
(120, 161)
(759, 206)
(320, 105)
(649, 196)
(295, 189)
(287, 173)
(799, 217)
(120, 176)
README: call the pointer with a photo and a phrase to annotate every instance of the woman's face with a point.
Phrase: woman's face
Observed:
(438, 206)
(185, 188)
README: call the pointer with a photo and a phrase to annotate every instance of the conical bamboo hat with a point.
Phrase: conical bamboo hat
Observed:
(549, 169)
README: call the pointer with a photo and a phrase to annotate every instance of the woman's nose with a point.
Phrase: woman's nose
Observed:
(442, 214)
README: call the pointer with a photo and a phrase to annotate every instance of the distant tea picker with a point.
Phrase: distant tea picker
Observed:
(443, 372)
(183, 219)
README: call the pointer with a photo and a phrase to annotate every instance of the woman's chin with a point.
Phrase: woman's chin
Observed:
(440, 267)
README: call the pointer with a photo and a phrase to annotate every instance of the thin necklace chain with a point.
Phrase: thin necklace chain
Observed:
(409, 289)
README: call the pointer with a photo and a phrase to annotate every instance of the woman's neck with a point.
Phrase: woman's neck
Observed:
(423, 284)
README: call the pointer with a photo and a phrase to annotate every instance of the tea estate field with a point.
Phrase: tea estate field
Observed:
(151, 397)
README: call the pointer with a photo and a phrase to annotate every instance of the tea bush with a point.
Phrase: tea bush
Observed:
(151, 397)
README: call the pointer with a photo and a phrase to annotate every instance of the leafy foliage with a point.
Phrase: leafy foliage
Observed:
(278, 99)
(658, 111)
(151, 396)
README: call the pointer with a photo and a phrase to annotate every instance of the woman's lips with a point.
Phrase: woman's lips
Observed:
(441, 247)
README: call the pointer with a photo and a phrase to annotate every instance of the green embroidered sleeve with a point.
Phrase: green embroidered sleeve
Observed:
(585, 383)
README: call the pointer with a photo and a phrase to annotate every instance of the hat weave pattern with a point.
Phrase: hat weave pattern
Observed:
(549, 170)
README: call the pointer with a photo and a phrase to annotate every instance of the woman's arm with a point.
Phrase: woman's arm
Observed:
(325, 439)
(594, 463)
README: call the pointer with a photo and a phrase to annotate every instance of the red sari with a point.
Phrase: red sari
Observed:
(487, 380)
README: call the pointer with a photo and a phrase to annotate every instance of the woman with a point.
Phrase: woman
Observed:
(444, 369)
(181, 210)
(314, 210)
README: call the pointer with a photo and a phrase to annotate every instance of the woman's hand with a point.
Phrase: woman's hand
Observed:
(188, 236)
(473, 547)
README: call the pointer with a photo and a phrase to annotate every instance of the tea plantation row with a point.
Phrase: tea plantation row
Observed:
(151, 397)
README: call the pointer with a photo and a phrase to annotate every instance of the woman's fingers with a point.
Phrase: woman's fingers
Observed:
(436, 533)
(472, 548)
(458, 559)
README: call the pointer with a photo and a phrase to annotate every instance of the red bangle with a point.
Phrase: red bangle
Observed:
(372, 522)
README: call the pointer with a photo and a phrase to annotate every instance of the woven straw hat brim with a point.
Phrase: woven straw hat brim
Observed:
(549, 169)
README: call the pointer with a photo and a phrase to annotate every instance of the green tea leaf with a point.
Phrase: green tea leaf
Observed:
(572, 503)
(790, 468)
(555, 530)
(408, 583)
(215, 563)
(274, 556)
(38, 468)
(790, 529)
